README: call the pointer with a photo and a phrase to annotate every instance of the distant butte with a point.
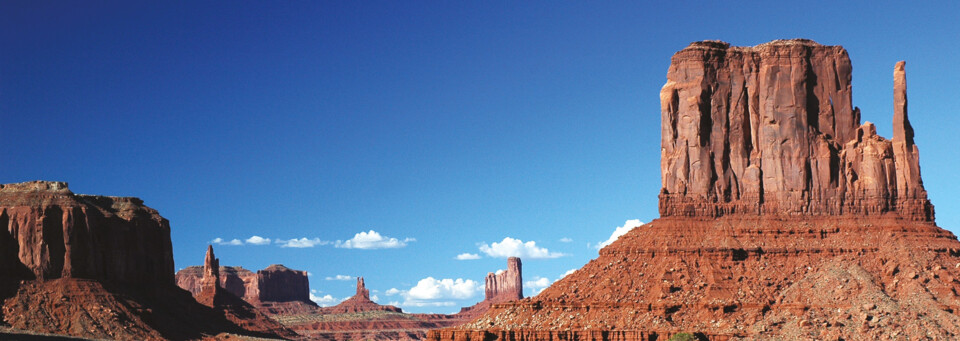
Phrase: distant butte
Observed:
(782, 217)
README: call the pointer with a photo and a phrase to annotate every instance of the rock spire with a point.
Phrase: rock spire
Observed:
(505, 286)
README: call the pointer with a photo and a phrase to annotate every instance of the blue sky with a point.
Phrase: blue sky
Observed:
(444, 127)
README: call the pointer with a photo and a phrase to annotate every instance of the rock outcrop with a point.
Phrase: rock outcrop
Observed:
(505, 286)
(782, 217)
(770, 129)
(268, 287)
(94, 267)
(358, 303)
(278, 283)
(49, 232)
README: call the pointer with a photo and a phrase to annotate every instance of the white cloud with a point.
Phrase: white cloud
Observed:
(325, 300)
(220, 241)
(431, 289)
(301, 243)
(565, 240)
(339, 278)
(432, 292)
(537, 284)
(468, 256)
(374, 298)
(372, 240)
(619, 231)
(510, 247)
(565, 274)
(258, 240)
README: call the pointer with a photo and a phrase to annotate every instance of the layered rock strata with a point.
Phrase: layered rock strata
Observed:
(770, 129)
(49, 232)
(782, 217)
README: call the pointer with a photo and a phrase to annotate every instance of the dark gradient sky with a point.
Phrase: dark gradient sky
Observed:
(452, 123)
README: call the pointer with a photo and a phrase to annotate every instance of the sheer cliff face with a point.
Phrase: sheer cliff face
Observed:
(505, 286)
(278, 283)
(49, 232)
(770, 129)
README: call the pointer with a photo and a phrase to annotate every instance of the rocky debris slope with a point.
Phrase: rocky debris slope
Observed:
(93, 267)
(232, 307)
(506, 286)
(358, 303)
(782, 217)
(770, 129)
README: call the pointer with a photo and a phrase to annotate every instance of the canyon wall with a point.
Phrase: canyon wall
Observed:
(49, 232)
(770, 129)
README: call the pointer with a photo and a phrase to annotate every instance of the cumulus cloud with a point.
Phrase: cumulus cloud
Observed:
(537, 284)
(339, 278)
(510, 247)
(565, 240)
(301, 243)
(258, 240)
(619, 231)
(325, 300)
(372, 240)
(432, 292)
(468, 256)
(565, 274)
(220, 241)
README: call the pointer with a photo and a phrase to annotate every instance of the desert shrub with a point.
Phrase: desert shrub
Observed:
(683, 337)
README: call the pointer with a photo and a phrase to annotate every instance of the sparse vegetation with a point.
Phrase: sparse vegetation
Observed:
(683, 337)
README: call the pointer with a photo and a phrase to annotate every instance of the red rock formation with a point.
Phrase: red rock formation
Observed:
(769, 129)
(781, 218)
(210, 282)
(505, 286)
(238, 281)
(49, 232)
(278, 283)
(271, 288)
(359, 302)
(93, 267)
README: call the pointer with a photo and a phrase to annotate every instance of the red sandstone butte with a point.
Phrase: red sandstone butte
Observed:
(93, 267)
(506, 286)
(782, 217)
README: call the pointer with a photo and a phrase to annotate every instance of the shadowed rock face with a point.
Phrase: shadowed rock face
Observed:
(770, 129)
(278, 283)
(48, 232)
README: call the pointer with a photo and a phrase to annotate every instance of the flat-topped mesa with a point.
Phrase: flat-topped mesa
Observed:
(505, 286)
(48, 232)
(278, 283)
(771, 130)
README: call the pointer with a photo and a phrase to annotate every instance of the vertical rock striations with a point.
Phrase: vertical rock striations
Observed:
(278, 283)
(49, 232)
(505, 286)
(770, 129)
(210, 281)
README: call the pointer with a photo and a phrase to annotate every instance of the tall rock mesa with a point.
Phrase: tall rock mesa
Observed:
(770, 129)
(278, 283)
(49, 232)
(505, 286)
